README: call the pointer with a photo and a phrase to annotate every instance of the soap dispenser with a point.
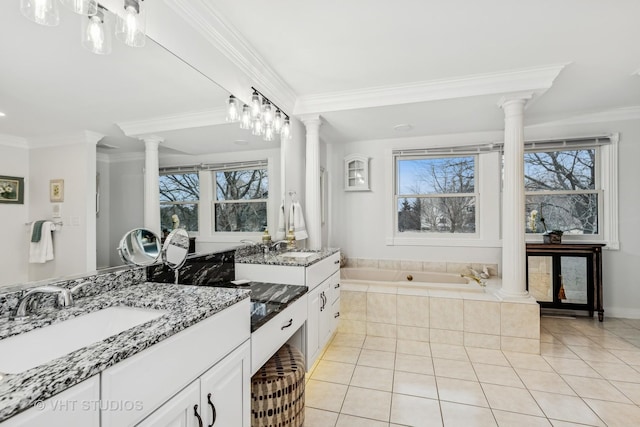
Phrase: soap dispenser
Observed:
(266, 237)
(291, 239)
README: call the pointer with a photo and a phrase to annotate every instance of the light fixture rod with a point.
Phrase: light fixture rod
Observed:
(272, 103)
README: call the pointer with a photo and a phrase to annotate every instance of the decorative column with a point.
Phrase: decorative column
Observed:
(513, 221)
(312, 212)
(152, 184)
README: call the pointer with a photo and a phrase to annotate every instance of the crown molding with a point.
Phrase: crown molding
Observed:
(205, 19)
(13, 141)
(123, 157)
(613, 115)
(193, 119)
(80, 137)
(536, 80)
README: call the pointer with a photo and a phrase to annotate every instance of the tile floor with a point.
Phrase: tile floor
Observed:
(588, 373)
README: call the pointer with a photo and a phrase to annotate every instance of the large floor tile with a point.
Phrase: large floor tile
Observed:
(366, 403)
(557, 350)
(566, 408)
(615, 414)
(412, 363)
(342, 354)
(318, 418)
(457, 415)
(616, 371)
(487, 356)
(632, 357)
(528, 361)
(448, 351)
(595, 354)
(502, 375)
(631, 390)
(377, 359)
(511, 399)
(511, 419)
(544, 381)
(348, 340)
(415, 411)
(324, 395)
(350, 421)
(571, 367)
(461, 391)
(373, 378)
(595, 388)
(334, 372)
(415, 384)
(454, 369)
(418, 348)
(380, 343)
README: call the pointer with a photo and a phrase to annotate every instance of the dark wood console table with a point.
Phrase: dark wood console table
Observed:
(566, 276)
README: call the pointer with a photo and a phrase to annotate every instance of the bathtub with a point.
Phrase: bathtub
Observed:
(408, 279)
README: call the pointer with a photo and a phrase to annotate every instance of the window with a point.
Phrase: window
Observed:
(240, 202)
(179, 195)
(563, 187)
(436, 194)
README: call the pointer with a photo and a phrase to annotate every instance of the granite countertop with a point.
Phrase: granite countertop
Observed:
(276, 258)
(269, 299)
(186, 305)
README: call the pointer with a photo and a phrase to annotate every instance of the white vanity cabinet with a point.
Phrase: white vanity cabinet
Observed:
(220, 397)
(77, 406)
(323, 298)
(211, 354)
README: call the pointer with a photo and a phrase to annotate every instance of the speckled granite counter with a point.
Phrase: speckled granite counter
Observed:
(269, 299)
(276, 258)
(186, 305)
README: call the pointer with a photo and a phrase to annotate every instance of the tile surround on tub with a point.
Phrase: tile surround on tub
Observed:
(415, 265)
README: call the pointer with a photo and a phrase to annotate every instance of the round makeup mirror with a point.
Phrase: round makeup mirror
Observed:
(175, 250)
(139, 247)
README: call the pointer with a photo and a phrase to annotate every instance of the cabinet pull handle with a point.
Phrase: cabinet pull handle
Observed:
(335, 316)
(324, 301)
(213, 410)
(287, 325)
(336, 261)
(336, 286)
(195, 412)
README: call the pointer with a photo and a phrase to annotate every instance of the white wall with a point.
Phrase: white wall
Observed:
(14, 161)
(358, 225)
(103, 243)
(74, 244)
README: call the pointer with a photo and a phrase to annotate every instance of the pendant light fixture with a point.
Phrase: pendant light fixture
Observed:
(259, 117)
(81, 7)
(43, 12)
(130, 28)
(96, 36)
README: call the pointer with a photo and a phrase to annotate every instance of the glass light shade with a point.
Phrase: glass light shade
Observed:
(81, 7)
(43, 12)
(257, 127)
(233, 115)
(131, 25)
(267, 113)
(285, 133)
(245, 117)
(277, 121)
(96, 36)
(256, 108)
(268, 133)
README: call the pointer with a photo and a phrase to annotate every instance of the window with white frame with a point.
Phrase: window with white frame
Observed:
(240, 199)
(435, 194)
(179, 195)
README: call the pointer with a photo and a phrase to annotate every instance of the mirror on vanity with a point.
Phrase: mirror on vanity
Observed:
(60, 100)
(139, 247)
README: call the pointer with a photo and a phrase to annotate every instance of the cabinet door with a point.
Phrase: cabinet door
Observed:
(313, 325)
(179, 411)
(335, 315)
(226, 391)
(78, 406)
(326, 315)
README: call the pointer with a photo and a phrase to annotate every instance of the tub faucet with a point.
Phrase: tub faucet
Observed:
(475, 278)
(27, 302)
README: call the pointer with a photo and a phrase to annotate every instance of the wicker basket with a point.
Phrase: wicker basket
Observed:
(277, 390)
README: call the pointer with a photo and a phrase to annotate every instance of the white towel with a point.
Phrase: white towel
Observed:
(281, 233)
(296, 221)
(42, 251)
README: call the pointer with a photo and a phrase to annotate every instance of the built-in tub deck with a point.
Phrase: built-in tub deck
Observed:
(438, 308)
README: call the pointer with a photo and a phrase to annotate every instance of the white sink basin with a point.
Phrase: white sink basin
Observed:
(30, 349)
(298, 255)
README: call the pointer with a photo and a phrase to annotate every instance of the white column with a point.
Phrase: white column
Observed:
(312, 182)
(152, 184)
(513, 221)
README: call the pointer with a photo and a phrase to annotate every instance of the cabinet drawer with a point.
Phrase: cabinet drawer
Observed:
(272, 335)
(318, 272)
(285, 274)
(157, 373)
(334, 287)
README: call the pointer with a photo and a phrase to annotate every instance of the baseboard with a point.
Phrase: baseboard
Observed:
(624, 313)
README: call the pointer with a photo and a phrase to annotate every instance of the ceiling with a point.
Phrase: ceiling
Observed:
(332, 51)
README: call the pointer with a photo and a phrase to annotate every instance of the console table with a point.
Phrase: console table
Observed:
(566, 276)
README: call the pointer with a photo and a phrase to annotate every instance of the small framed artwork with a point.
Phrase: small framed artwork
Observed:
(56, 190)
(12, 190)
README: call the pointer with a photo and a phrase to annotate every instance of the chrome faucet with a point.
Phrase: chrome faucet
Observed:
(65, 297)
(27, 302)
(274, 245)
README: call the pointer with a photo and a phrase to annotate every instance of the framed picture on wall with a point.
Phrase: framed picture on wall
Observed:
(12, 190)
(56, 190)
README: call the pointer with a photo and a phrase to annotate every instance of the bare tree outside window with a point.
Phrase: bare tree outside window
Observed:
(179, 195)
(436, 195)
(241, 200)
(562, 187)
